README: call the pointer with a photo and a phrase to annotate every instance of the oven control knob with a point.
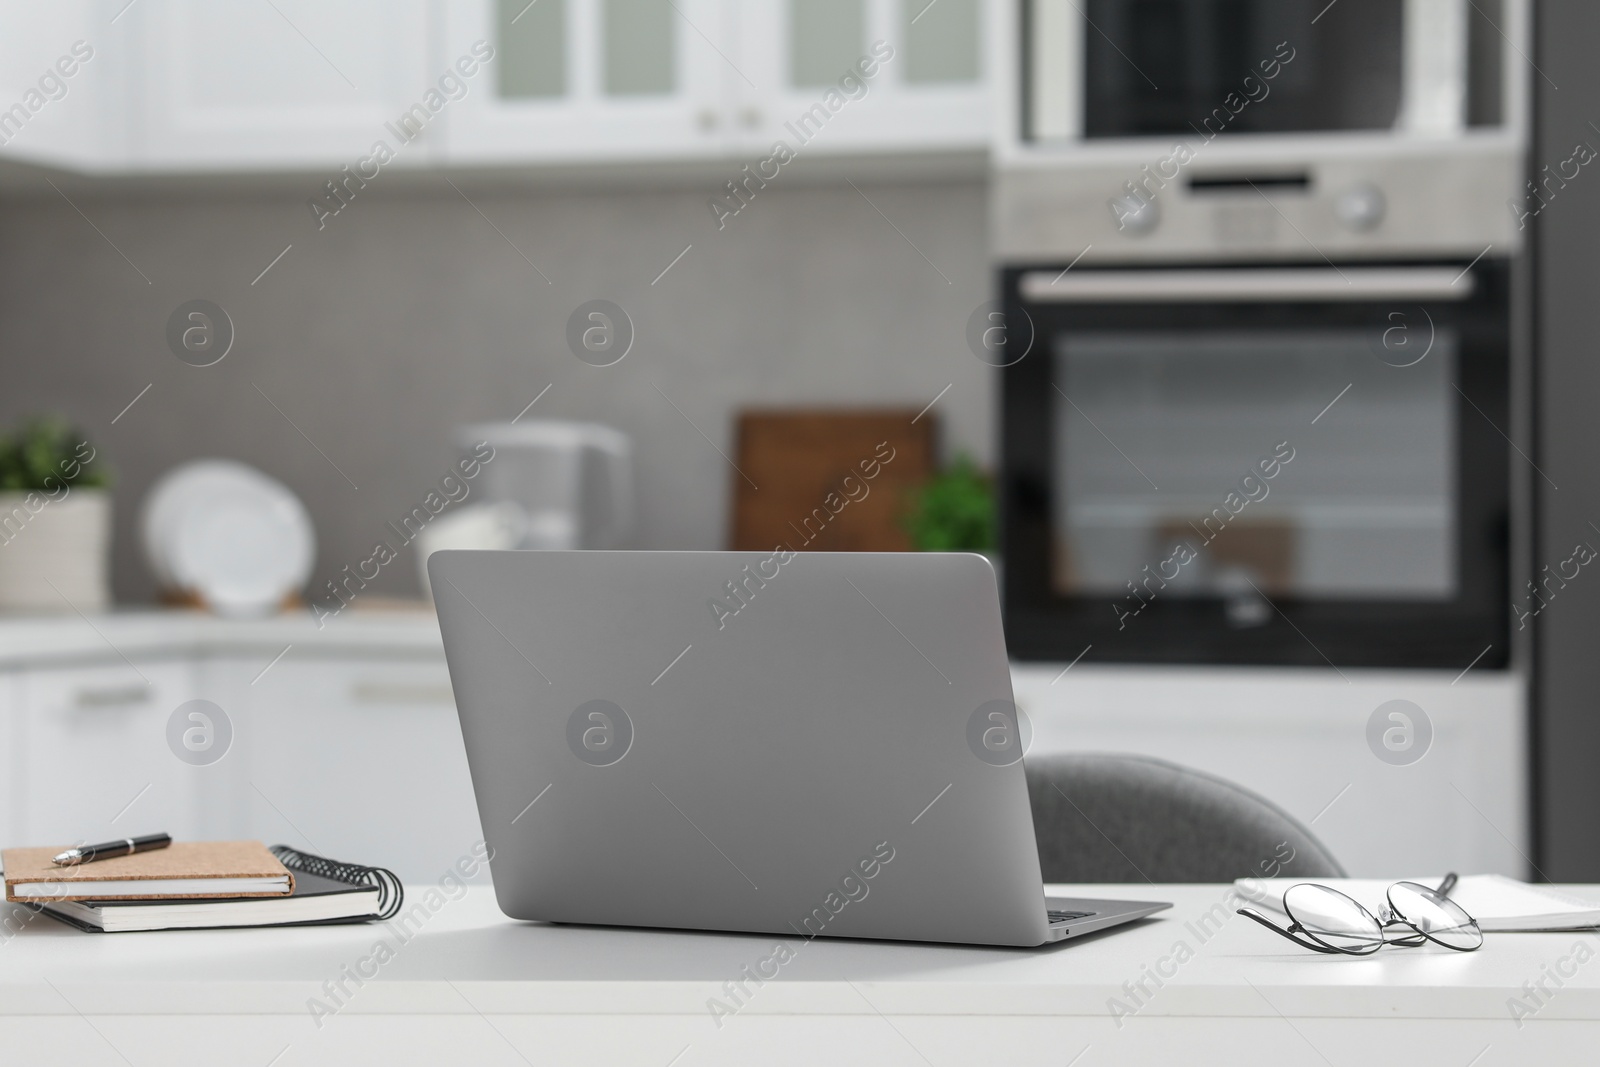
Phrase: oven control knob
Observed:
(1361, 207)
(1134, 215)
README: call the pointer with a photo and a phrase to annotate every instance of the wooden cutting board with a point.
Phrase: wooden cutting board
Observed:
(828, 480)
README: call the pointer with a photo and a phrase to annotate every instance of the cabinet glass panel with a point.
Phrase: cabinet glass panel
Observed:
(826, 37)
(639, 47)
(532, 48)
(942, 40)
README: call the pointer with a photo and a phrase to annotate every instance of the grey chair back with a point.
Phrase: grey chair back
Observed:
(1108, 817)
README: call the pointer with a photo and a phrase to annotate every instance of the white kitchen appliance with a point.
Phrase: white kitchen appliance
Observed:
(572, 480)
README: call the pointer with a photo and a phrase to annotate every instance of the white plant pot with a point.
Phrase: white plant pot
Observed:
(55, 554)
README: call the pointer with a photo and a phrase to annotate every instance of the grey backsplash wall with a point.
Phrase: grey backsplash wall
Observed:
(409, 315)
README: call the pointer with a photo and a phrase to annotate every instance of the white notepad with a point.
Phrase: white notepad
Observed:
(1500, 904)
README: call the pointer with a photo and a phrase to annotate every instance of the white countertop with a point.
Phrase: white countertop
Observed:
(30, 640)
(467, 957)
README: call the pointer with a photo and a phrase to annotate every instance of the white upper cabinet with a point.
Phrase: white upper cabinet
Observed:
(589, 80)
(830, 76)
(290, 84)
(63, 71)
(317, 85)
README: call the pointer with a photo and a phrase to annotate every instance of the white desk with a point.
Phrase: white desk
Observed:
(471, 987)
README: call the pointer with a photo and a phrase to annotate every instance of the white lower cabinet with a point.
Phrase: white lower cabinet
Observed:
(11, 786)
(360, 760)
(1305, 740)
(356, 755)
(353, 750)
(91, 743)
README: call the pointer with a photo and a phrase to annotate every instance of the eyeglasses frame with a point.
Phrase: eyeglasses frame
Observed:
(1295, 929)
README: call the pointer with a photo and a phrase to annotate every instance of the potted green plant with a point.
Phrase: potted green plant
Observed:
(953, 511)
(55, 520)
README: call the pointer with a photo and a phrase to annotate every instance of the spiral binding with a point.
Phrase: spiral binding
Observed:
(391, 894)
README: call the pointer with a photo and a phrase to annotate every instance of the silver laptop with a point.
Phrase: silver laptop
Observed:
(801, 744)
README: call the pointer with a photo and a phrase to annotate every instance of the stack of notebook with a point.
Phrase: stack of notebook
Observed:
(201, 884)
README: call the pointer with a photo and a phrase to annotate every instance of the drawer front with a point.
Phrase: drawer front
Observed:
(93, 755)
(11, 787)
(361, 760)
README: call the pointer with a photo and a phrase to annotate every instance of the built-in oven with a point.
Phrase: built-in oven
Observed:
(1291, 464)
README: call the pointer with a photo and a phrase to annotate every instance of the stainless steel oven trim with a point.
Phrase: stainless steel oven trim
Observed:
(1274, 285)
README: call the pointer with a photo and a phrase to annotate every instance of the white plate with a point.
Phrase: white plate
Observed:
(241, 540)
(171, 494)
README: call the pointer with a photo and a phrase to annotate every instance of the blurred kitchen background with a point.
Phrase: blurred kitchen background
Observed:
(978, 242)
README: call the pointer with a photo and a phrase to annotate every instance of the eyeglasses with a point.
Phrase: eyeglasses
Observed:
(1326, 920)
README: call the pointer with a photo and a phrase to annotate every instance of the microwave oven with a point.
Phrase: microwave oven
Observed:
(1168, 130)
(1103, 69)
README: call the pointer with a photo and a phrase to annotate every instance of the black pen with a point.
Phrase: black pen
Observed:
(125, 847)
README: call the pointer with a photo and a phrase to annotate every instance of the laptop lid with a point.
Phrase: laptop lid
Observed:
(804, 744)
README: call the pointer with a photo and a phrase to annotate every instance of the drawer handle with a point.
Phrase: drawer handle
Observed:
(402, 693)
(113, 696)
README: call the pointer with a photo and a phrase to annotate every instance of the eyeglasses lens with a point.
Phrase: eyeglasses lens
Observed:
(1333, 919)
(1440, 918)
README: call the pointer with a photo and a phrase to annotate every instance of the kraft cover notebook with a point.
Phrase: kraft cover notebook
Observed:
(325, 892)
(182, 870)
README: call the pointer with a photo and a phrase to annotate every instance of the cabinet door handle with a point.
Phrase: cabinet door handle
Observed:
(708, 119)
(402, 693)
(121, 696)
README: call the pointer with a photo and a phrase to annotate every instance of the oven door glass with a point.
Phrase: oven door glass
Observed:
(1205, 440)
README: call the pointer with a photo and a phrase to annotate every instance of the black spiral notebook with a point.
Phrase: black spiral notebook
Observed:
(325, 892)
